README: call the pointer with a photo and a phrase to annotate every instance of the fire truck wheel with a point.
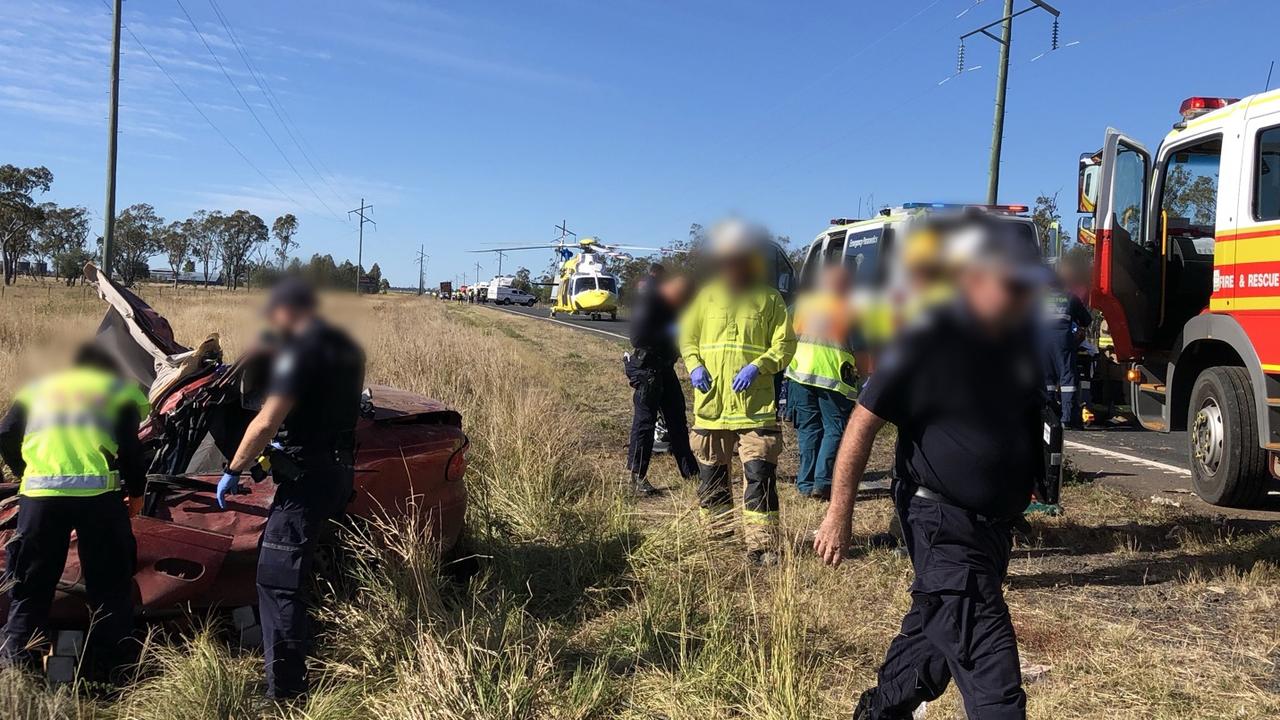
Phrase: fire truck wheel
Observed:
(1228, 468)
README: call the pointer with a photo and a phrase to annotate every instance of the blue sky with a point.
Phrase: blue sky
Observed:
(480, 122)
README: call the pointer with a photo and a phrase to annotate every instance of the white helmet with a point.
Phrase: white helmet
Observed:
(734, 236)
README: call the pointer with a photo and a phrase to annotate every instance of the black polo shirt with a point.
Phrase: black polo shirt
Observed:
(322, 369)
(967, 407)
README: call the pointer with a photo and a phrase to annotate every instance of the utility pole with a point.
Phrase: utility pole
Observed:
(563, 227)
(113, 125)
(477, 273)
(422, 259)
(1002, 80)
(360, 247)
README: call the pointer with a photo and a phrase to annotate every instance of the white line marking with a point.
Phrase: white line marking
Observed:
(561, 322)
(1128, 458)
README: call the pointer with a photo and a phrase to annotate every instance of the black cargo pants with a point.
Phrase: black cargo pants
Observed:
(299, 517)
(36, 557)
(958, 625)
(657, 392)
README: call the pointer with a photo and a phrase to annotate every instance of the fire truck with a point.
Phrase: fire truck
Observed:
(1187, 275)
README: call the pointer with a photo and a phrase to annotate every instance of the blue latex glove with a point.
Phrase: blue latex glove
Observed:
(701, 379)
(228, 485)
(745, 377)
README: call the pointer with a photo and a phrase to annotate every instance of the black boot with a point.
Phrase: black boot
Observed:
(640, 486)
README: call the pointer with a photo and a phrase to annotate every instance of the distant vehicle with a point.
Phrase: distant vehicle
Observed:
(1187, 275)
(446, 290)
(508, 295)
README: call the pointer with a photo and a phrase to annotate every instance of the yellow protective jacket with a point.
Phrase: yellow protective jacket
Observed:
(724, 332)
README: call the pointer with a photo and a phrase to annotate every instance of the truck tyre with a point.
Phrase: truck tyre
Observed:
(1228, 468)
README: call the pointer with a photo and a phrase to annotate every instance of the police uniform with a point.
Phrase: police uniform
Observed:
(723, 331)
(650, 369)
(73, 439)
(1064, 316)
(823, 384)
(322, 370)
(967, 409)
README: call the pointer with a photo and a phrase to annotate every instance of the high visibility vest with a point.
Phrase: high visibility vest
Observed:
(823, 358)
(724, 331)
(70, 446)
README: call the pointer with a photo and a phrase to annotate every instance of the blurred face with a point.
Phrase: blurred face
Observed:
(835, 280)
(287, 320)
(675, 291)
(996, 299)
(737, 271)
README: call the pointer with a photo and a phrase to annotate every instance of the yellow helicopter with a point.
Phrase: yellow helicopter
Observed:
(583, 285)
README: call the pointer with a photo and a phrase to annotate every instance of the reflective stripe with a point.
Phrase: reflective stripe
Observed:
(1067, 388)
(760, 517)
(69, 482)
(60, 420)
(732, 346)
(822, 382)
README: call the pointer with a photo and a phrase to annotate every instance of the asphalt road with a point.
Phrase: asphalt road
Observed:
(616, 329)
(1139, 462)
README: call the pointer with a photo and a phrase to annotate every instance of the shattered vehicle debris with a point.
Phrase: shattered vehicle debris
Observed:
(410, 458)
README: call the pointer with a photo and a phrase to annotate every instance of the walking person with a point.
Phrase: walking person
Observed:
(72, 438)
(823, 379)
(735, 337)
(650, 368)
(963, 389)
(309, 419)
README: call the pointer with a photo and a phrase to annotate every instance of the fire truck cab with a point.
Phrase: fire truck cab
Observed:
(1187, 274)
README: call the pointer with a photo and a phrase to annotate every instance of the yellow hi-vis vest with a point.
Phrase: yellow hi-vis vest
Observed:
(724, 332)
(823, 358)
(69, 447)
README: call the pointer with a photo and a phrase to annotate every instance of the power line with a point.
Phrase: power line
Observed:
(202, 114)
(277, 106)
(253, 112)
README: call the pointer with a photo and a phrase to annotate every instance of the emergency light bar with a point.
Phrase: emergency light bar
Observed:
(1194, 107)
(964, 206)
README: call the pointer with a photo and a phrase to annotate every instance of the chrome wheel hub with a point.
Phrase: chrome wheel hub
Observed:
(1207, 436)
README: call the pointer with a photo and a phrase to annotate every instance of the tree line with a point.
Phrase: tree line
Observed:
(229, 248)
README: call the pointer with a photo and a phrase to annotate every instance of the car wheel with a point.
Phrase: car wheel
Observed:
(1228, 468)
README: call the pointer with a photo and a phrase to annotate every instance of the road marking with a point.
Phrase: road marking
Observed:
(561, 322)
(1128, 458)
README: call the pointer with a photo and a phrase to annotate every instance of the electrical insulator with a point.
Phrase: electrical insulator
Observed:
(1055, 33)
(960, 58)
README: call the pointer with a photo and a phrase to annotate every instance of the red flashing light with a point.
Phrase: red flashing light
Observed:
(1196, 106)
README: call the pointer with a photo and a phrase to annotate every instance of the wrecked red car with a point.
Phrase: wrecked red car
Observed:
(410, 458)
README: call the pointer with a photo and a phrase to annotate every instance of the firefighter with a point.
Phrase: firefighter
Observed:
(823, 379)
(72, 438)
(1066, 319)
(734, 338)
(308, 420)
(963, 389)
(650, 369)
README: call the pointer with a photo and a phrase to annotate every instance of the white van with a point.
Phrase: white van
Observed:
(507, 295)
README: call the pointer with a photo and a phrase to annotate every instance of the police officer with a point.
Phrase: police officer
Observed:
(72, 438)
(308, 420)
(650, 368)
(1066, 319)
(963, 389)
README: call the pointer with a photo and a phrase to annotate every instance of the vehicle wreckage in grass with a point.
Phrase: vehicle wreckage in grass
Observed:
(410, 458)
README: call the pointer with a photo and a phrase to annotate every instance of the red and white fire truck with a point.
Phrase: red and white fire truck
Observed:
(1187, 274)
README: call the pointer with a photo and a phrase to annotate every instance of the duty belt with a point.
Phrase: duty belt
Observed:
(933, 496)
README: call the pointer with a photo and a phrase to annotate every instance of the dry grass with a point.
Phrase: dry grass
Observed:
(590, 606)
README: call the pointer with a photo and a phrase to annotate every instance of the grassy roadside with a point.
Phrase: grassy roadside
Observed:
(592, 606)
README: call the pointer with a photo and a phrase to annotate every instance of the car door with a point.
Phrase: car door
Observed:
(1126, 283)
